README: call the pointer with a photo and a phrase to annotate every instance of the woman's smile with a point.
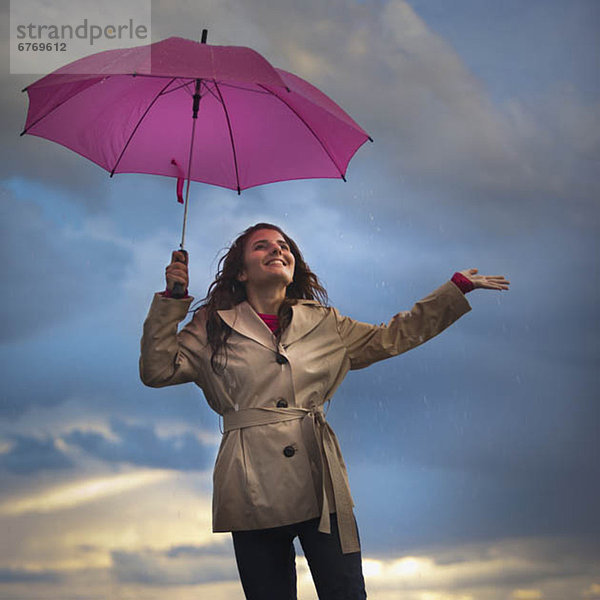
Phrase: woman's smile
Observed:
(276, 261)
(267, 255)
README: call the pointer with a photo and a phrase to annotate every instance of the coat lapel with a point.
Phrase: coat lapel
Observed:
(243, 319)
(306, 315)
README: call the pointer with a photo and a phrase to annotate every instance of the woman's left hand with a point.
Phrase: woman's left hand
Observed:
(488, 282)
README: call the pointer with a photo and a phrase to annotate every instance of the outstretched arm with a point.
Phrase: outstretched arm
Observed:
(368, 343)
(428, 317)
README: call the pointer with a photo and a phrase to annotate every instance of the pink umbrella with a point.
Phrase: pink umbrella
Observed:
(141, 110)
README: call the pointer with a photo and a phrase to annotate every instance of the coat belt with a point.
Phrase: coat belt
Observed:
(330, 460)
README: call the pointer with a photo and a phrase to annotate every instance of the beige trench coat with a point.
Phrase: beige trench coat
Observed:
(279, 461)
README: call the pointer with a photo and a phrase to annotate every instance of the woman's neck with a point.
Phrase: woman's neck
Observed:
(266, 300)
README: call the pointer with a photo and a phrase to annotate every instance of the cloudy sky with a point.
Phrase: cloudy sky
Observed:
(474, 460)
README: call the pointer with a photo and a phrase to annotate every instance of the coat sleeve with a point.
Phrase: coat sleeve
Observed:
(168, 357)
(367, 343)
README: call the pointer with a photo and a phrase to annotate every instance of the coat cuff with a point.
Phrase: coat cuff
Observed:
(167, 294)
(464, 284)
(173, 308)
(461, 304)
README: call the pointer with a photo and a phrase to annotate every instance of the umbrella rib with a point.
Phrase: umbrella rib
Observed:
(58, 105)
(175, 89)
(245, 89)
(138, 124)
(308, 127)
(211, 92)
(237, 176)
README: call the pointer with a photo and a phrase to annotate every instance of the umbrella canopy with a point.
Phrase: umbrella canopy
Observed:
(131, 111)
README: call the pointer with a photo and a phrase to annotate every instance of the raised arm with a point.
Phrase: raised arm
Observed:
(168, 357)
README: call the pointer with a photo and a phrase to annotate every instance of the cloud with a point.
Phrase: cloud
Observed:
(28, 455)
(140, 445)
(81, 492)
(29, 576)
(191, 551)
(52, 165)
(174, 568)
(518, 568)
(457, 505)
(593, 591)
(46, 274)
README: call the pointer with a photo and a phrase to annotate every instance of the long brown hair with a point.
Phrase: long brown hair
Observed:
(226, 291)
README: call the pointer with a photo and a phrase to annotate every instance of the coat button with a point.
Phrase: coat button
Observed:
(289, 451)
(281, 359)
(282, 403)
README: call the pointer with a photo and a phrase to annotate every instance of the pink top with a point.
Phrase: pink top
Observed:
(272, 321)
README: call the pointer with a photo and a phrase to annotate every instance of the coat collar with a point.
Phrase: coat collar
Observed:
(243, 319)
(305, 317)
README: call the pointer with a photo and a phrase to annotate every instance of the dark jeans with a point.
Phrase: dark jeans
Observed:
(267, 567)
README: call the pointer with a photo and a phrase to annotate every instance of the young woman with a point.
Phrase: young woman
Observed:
(268, 353)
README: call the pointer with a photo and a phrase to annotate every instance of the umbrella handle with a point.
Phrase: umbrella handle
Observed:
(178, 291)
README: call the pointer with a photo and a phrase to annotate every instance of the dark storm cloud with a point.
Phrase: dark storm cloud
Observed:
(182, 551)
(451, 506)
(100, 378)
(44, 269)
(45, 162)
(33, 157)
(504, 446)
(168, 568)
(26, 576)
(29, 455)
(141, 445)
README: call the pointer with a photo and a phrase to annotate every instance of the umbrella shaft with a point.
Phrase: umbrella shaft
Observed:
(196, 104)
(195, 108)
(185, 208)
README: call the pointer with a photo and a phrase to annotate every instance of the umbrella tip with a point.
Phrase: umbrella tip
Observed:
(239, 191)
(371, 139)
(23, 132)
(204, 36)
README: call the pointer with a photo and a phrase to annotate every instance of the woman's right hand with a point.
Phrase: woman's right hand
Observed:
(177, 271)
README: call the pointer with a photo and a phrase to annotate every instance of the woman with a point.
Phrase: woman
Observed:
(268, 353)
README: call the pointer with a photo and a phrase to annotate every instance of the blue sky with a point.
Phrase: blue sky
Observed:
(473, 459)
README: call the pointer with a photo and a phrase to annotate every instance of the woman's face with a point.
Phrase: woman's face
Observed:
(267, 259)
